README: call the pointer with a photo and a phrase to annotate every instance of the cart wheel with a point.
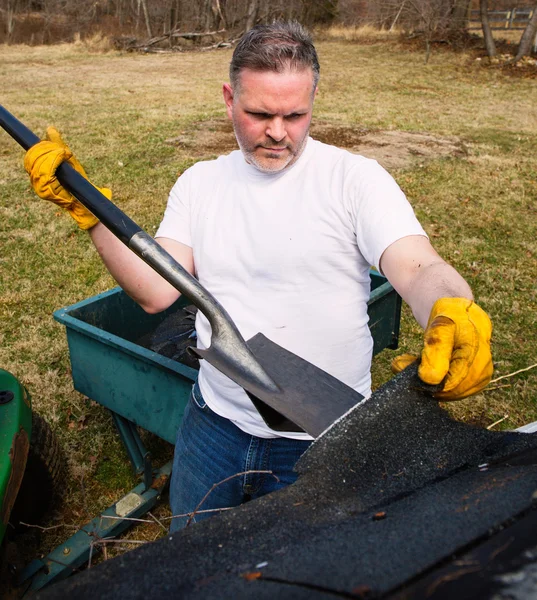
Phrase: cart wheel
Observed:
(42, 477)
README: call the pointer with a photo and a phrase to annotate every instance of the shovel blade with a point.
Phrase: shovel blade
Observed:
(292, 394)
(309, 399)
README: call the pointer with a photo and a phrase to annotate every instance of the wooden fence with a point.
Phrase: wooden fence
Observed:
(516, 18)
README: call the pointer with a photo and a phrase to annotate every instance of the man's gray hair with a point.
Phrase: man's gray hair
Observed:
(275, 47)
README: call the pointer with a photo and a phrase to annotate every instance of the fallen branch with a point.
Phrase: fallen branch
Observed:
(48, 528)
(512, 374)
(218, 45)
(157, 521)
(115, 518)
(489, 427)
(177, 34)
(105, 541)
(497, 387)
(215, 485)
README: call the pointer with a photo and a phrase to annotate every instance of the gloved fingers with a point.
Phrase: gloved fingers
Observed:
(54, 136)
(44, 158)
(439, 339)
(41, 162)
(462, 359)
(463, 391)
(84, 218)
(401, 362)
(457, 343)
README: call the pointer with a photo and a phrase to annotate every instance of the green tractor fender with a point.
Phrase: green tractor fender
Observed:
(15, 436)
(31, 460)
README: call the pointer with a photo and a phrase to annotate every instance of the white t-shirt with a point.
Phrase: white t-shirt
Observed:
(288, 254)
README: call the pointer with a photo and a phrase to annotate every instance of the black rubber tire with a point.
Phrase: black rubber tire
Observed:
(42, 479)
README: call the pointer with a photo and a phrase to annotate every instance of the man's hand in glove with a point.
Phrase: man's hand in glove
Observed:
(456, 349)
(41, 162)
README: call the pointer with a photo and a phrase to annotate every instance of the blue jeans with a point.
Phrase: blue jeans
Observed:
(210, 448)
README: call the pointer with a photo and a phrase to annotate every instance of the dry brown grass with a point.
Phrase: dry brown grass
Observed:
(359, 34)
(98, 42)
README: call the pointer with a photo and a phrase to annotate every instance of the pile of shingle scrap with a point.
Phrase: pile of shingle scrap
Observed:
(395, 500)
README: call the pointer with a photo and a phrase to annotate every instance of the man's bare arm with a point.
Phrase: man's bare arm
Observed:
(421, 276)
(456, 342)
(139, 280)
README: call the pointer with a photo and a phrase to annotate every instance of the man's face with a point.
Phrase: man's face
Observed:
(271, 114)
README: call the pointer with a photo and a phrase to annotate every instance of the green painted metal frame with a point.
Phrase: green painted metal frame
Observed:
(15, 420)
(139, 456)
(76, 551)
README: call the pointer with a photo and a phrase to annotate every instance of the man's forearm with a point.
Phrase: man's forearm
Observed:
(421, 276)
(431, 282)
(139, 280)
(456, 343)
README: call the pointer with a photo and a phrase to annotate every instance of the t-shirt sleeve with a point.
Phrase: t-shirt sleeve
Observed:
(176, 223)
(379, 209)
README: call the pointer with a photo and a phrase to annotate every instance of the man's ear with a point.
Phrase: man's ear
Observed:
(227, 90)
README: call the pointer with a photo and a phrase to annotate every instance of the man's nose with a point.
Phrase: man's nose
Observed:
(276, 129)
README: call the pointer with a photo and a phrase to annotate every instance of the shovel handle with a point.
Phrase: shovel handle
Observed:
(226, 341)
(114, 219)
(128, 232)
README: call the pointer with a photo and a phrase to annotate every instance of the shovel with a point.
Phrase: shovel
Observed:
(290, 393)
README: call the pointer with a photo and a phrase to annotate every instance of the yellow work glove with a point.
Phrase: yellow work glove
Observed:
(41, 162)
(456, 348)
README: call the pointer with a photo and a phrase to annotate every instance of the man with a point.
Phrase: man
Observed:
(284, 232)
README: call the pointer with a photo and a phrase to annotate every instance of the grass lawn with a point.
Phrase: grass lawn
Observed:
(137, 121)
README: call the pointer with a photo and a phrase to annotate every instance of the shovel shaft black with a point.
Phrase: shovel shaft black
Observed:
(118, 223)
(228, 348)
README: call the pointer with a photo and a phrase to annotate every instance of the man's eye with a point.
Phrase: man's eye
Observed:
(294, 116)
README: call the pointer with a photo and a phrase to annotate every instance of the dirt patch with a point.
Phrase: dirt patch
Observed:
(392, 149)
(206, 138)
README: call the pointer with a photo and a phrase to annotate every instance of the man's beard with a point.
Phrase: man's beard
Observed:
(268, 163)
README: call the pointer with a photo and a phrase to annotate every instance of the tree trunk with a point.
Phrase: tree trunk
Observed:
(459, 16)
(10, 18)
(146, 17)
(220, 13)
(210, 15)
(137, 22)
(487, 32)
(526, 41)
(173, 24)
(119, 12)
(251, 16)
(394, 22)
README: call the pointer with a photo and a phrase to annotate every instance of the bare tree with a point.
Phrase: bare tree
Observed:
(487, 31)
(11, 11)
(458, 22)
(524, 47)
(431, 17)
(251, 15)
(146, 16)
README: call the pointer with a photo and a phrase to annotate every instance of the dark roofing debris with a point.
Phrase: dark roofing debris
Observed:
(396, 500)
